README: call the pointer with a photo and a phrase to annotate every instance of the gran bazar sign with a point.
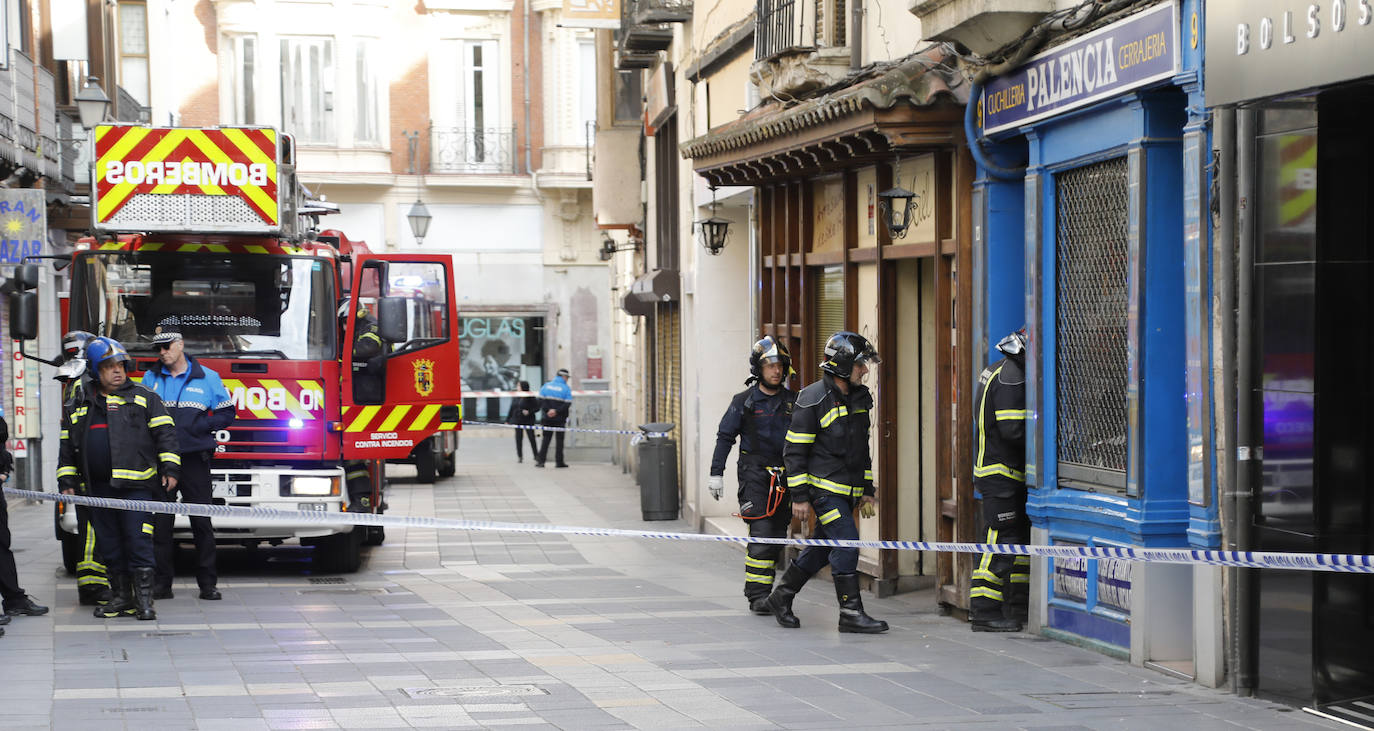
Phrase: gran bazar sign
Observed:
(1139, 50)
(1262, 48)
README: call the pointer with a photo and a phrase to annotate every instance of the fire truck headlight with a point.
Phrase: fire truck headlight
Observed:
(314, 486)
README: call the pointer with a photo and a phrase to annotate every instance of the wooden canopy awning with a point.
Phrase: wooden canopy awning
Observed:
(918, 103)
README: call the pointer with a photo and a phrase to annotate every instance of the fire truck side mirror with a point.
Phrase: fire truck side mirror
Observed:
(23, 302)
(392, 316)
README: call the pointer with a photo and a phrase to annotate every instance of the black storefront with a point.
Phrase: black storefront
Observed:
(1292, 87)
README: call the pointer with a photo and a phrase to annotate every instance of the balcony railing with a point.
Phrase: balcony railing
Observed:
(781, 26)
(659, 11)
(470, 151)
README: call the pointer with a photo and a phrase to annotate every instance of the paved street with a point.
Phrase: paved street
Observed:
(452, 630)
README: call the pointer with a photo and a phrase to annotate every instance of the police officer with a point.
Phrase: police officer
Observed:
(92, 584)
(830, 471)
(555, 401)
(368, 388)
(999, 596)
(120, 441)
(759, 416)
(200, 405)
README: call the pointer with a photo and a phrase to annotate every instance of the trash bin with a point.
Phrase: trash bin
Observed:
(658, 473)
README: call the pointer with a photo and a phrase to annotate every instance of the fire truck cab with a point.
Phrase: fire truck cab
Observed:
(207, 230)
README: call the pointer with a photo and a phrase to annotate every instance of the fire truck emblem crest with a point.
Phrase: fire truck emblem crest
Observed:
(424, 377)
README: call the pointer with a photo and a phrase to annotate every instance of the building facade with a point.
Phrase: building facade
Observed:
(788, 126)
(481, 111)
(1091, 202)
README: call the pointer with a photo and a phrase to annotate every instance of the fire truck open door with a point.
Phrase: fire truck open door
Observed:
(400, 355)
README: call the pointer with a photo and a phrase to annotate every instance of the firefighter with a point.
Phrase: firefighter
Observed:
(200, 405)
(368, 388)
(92, 585)
(830, 472)
(759, 416)
(555, 401)
(999, 597)
(119, 440)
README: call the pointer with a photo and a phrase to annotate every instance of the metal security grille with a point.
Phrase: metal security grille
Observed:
(1091, 318)
(829, 306)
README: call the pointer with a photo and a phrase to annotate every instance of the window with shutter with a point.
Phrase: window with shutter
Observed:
(829, 305)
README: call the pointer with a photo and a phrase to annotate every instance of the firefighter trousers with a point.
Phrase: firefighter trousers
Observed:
(761, 560)
(834, 520)
(195, 489)
(359, 481)
(91, 579)
(1001, 582)
(124, 537)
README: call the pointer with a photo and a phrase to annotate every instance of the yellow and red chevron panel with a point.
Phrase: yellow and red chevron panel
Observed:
(390, 432)
(269, 398)
(135, 160)
(266, 246)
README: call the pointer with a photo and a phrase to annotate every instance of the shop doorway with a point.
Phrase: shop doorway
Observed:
(1314, 295)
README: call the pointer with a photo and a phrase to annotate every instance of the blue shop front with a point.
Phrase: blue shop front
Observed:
(1094, 233)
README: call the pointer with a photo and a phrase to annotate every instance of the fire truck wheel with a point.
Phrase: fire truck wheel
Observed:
(425, 464)
(376, 534)
(338, 554)
(448, 466)
(71, 551)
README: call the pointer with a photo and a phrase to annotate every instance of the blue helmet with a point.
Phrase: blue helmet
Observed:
(102, 350)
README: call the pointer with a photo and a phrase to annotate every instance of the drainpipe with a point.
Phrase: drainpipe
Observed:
(1223, 256)
(856, 36)
(529, 134)
(975, 144)
(1248, 451)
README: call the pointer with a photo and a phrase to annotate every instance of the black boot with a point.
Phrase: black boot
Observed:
(852, 615)
(759, 605)
(121, 598)
(92, 595)
(143, 593)
(1000, 624)
(780, 601)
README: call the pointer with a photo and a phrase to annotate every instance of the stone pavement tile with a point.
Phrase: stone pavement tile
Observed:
(211, 723)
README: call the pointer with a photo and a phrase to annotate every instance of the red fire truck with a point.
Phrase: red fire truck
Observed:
(209, 230)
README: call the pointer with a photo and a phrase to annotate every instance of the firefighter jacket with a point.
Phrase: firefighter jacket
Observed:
(368, 361)
(760, 421)
(196, 399)
(827, 444)
(555, 396)
(999, 467)
(143, 439)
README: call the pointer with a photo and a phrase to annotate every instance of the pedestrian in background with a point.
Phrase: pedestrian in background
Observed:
(16, 601)
(999, 596)
(118, 441)
(200, 406)
(92, 583)
(555, 401)
(523, 411)
(830, 471)
(759, 416)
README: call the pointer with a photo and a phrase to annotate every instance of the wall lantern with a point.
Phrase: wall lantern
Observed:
(897, 204)
(715, 231)
(608, 247)
(91, 103)
(419, 221)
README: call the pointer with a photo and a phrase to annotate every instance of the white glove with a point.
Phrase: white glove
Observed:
(716, 485)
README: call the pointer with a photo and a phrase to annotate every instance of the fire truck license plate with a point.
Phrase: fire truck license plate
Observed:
(224, 489)
(314, 507)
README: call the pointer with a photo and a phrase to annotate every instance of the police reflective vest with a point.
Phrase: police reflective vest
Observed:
(999, 466)
(827, 444)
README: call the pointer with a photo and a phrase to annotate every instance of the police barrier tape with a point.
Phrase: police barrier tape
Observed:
(1338, 562)
(639, 433)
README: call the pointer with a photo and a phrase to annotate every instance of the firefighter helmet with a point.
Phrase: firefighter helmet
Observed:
(74, 344)
(844, 349)
(1013, 345)
(346, 305)
(103, 350)
(769, 350)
